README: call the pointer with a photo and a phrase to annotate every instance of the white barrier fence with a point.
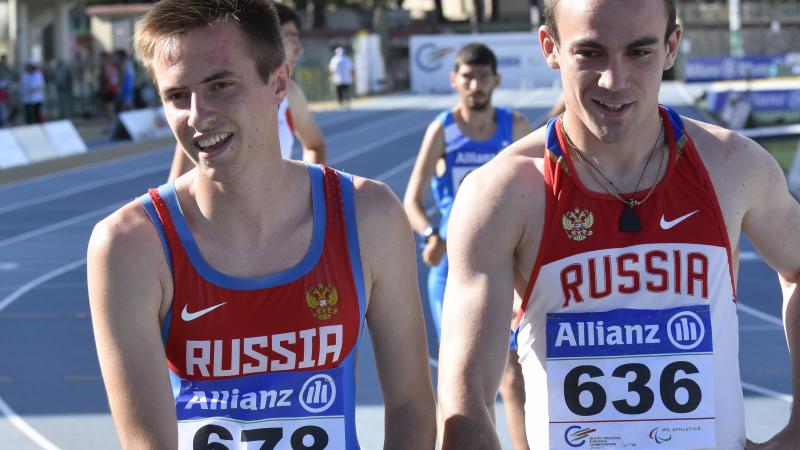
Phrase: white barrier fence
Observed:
(33, 143)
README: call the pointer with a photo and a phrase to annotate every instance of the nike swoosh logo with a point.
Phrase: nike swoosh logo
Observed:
(667, 224)
(190, 316)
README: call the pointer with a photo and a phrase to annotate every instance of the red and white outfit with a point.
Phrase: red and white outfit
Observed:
(267, 361)
(631, 339)
(285, 129)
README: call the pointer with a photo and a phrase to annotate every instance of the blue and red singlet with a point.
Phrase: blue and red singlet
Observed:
(267, 362)
(631, 339)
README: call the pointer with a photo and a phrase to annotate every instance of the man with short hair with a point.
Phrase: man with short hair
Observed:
(227, 305)
(619, 223)
(457, 142)
(294, 115)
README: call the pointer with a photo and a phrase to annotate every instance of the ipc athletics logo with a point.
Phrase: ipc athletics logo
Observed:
(660, 435)
(318, 393)
(577, 438)
(430, 57)
(686, 330)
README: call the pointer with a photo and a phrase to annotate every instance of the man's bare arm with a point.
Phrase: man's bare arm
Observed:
(314, 148)
(430, 152)
(773, 225)
(394, 315)
(126, 296)
(484, 232)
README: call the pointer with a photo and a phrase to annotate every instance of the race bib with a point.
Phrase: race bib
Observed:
(459, 173)
(276, 411)
(631, 378)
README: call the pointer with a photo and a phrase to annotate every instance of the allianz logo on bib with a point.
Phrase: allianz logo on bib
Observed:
(629, 332)
(261, 396)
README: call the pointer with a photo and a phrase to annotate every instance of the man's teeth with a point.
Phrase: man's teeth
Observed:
(611, 106)
(213, 140)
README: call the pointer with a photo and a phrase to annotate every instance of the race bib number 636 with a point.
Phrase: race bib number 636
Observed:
(631, 378)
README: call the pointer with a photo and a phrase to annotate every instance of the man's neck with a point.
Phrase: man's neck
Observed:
(618, 157)
(245, 201)
(476, 124)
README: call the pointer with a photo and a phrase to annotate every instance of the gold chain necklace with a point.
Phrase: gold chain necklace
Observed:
(629, 220)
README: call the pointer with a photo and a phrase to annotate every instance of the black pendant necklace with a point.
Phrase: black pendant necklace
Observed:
(629, 221)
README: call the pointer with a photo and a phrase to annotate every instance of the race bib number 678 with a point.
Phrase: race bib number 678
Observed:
(631, 378)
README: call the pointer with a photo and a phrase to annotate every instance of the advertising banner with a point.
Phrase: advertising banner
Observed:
(519, 60)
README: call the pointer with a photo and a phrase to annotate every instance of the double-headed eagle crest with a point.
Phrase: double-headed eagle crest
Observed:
(322, 300)
(578, 224)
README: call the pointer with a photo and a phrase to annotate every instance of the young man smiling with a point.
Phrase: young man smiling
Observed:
(227, 306)
(619, 224)
(294, 116)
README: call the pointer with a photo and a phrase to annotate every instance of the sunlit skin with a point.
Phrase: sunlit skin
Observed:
(611, 61)
(474, 84)
(211, 88)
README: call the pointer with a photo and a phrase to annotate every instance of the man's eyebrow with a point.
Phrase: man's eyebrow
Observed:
(644, 42)
(587, 43)
(218, 75)
(213, 77)
(592, 43)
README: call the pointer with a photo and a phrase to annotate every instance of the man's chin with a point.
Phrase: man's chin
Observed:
(478, 106)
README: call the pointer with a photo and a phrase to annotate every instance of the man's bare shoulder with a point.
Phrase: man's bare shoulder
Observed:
(129, 235)
(719, 144)
(376, 204)
(729, 157)
(519, 165)
(510, 187)
(383, 229)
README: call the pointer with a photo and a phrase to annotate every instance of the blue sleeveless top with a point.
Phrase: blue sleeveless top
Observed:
(463, 155)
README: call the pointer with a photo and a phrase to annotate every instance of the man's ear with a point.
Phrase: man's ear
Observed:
(673, 43)
(549, 45)
(281, 77)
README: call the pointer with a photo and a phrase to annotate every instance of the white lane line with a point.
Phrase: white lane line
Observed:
(749, 256)
(66, 173)
(373, 125)
(6, 410)
(767, 392)
(376, 144)
(335, 119)
(26, 429)
(24, 289)
(761, 315)
(82, 188)
(61, 224)
(396, 170)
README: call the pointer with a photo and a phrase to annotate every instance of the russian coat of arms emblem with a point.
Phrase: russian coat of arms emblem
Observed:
(578, 223)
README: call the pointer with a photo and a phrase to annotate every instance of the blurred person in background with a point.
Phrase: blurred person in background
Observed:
(128, 80)
(31, 86)
(341, 69)
(109, 79)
